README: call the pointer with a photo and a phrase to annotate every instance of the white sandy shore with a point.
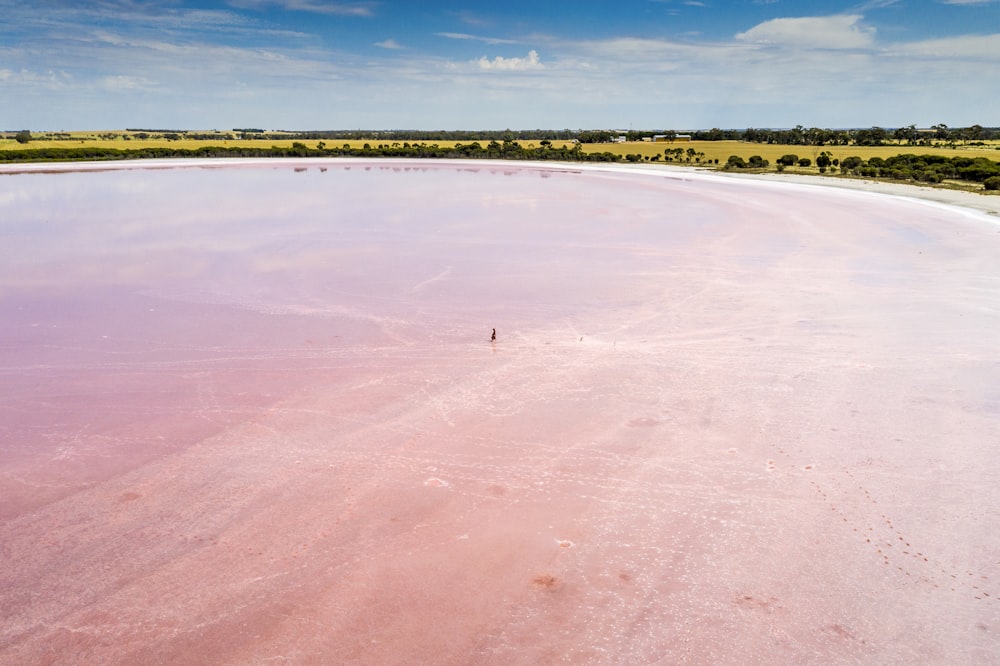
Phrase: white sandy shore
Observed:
(982, 202)
(988, 204)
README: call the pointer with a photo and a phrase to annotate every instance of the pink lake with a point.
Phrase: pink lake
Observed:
(252, 414)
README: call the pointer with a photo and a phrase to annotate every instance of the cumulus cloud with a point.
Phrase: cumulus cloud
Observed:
(844, 31)
(499, 63)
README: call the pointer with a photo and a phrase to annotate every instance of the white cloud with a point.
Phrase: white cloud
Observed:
(469, 18)
(477, 38)
(875, 4)
(844, 31)
(361, 9)
(391, 44)
(968, 2)
(124, 82)
(499, 63)
(969, 47)
(48, 80)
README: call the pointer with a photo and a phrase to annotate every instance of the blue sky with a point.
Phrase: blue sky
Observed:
(654, 64)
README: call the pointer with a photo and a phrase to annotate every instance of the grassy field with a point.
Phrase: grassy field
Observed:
(81, 139)
(707, 153)
(721, 150)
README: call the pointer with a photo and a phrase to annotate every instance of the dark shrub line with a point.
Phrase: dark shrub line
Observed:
(508, 150)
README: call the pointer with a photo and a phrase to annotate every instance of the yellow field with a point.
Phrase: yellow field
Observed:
(78, 139)
(721, 150)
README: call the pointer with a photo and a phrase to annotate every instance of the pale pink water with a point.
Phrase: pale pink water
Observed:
(253, 415)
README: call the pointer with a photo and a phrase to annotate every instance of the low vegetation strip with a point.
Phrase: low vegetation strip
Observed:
(493, 150)
(930, 169)
(926, 168)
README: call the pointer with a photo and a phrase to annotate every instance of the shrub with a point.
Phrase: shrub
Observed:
(804, 162)
(852, 162)
(992, 183)
(788, 160)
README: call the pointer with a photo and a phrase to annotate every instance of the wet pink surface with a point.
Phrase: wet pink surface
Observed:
(253, 415)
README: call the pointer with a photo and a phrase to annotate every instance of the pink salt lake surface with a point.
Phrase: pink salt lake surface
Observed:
(253, 415)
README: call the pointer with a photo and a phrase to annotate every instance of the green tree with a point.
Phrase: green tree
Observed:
(908, 134)
(974, 133)
(24, 136)
(941, 131)
(852, 162)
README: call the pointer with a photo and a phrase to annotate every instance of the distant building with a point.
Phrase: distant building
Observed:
(666, 137)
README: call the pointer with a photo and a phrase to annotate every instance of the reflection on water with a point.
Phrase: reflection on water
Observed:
(321, 239)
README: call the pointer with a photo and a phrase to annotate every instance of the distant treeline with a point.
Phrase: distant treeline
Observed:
(508, 150)
(799, 135)
(583, 136)
(873, 136)
(813, 136)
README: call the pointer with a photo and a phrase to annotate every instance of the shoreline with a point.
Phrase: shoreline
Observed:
(972, 201)
(986, 204)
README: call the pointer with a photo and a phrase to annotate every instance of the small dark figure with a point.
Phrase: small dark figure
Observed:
(494, 338)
